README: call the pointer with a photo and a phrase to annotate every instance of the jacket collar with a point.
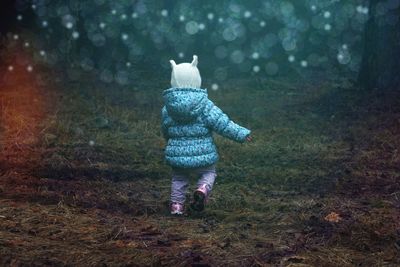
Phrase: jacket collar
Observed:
(188, 89)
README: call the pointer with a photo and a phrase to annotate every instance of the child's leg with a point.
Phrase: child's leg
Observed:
(178, 187)
(204, 187)
(207, 177)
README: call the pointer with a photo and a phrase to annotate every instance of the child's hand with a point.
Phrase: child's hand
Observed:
(249, 138)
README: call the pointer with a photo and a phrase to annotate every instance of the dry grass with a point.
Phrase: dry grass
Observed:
(97, 190)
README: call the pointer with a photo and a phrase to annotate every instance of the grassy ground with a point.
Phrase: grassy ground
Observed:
(83, 180)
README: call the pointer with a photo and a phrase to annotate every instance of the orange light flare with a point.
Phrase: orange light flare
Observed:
(22, 110)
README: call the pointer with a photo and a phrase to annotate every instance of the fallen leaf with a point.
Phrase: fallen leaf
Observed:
(332, 217)
(120, 244)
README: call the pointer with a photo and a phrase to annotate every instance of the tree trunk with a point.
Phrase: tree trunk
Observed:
(7, 16)
(380, 66)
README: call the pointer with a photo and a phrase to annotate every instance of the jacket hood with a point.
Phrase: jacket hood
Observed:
(185, 104)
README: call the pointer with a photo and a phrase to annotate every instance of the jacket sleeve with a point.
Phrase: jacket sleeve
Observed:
(219, 122)
(164, 122)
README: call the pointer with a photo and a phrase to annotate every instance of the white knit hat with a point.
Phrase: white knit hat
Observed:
(185, 75)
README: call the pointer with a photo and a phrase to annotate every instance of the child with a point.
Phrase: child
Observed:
(188, 120)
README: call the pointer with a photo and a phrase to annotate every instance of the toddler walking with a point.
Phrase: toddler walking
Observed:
(188, 120)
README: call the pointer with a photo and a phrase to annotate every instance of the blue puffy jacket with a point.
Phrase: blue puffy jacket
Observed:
(188, 119)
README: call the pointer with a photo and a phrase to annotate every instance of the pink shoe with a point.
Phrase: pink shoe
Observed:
(176, 208)
(200, 198)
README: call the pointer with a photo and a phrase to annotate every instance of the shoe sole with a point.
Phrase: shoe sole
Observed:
(199, 200)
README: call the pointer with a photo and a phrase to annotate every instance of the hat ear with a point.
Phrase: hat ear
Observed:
(173, 64)
(195, 61)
